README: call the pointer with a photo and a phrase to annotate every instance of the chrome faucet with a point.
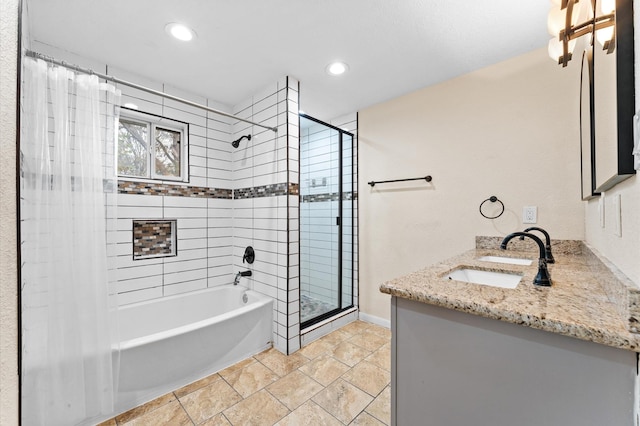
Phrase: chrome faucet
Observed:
(548, 255)
(241, 274)
(542, 277)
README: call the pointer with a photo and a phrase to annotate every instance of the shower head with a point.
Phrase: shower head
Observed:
(236, 143)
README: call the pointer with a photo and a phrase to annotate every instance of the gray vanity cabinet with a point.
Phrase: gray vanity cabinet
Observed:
(452, 368)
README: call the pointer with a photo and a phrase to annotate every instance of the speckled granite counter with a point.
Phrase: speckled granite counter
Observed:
(587, 301)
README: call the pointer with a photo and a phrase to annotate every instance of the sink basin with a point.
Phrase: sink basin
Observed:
(510, 260)
(490, 278)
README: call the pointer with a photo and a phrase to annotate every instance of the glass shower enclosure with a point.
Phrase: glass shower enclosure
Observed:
(326, 220)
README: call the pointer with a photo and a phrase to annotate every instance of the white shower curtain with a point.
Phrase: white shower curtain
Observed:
(68, 186)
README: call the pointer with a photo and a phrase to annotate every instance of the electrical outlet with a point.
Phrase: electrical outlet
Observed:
(529, 214)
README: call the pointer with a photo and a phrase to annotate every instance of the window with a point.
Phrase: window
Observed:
(151, 147)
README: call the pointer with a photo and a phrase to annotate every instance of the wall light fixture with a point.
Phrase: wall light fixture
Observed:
(570, 20)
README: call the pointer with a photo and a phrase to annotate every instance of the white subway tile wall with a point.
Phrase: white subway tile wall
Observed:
(265, 220)
(204, 246)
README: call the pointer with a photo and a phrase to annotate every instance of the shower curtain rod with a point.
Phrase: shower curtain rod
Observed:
(113, 79)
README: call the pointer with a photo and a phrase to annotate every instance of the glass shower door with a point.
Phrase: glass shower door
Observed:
(325, 221)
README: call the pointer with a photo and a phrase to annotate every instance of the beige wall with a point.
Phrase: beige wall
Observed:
(8, 227)
(623, 251)
(509, 130)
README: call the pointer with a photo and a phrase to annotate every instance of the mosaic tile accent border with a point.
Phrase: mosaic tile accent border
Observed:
(332, 196)
(294, 188)
(260, 191)
(267, 191)
(152, 188)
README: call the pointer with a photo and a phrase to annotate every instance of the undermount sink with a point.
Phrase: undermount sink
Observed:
(490, 278)
(510, 260)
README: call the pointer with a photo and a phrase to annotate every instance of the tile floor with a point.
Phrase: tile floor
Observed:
(340, 379)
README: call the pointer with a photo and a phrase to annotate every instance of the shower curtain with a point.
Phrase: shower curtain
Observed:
(68, 184)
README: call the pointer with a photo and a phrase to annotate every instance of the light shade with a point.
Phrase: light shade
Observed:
(180, 31)
(604, 35)
(607, 6)
(555, 48)
(556, 20)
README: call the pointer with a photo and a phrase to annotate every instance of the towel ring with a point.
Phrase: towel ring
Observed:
(493, 199)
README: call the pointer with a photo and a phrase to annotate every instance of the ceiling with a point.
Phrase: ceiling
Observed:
(392, 47)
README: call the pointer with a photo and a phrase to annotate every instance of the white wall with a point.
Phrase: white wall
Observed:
(623, 251)
(508, 130)
(8, 217)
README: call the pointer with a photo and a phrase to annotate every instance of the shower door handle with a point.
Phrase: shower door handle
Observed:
(338, 221)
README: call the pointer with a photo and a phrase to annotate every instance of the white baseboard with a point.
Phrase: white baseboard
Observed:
(375, 320)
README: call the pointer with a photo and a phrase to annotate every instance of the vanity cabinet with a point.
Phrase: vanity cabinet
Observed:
(453, 368)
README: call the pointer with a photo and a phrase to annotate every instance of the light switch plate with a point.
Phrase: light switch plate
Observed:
(529, 214)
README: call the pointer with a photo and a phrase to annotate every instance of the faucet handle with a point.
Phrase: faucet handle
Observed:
(249, 255)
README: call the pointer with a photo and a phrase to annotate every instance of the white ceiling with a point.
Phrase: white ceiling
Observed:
(392, 46)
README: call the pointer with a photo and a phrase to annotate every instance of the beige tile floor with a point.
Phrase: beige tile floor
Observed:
(340, 379)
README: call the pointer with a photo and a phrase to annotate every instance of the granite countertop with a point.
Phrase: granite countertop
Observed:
(587, 300)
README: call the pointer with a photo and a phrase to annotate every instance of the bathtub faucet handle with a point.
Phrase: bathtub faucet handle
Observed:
(249, 255)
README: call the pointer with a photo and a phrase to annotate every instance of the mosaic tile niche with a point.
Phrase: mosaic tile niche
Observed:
(154, 238)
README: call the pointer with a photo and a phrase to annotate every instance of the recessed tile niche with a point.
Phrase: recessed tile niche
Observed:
(154, 238)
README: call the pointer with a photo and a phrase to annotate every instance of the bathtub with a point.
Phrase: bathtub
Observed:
(170, 342)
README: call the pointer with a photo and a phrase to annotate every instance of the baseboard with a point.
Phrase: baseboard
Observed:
(375, 320)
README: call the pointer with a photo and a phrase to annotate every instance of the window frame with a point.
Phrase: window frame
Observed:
(152, 122)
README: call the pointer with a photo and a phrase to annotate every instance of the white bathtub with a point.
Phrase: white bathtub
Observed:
(170, 342)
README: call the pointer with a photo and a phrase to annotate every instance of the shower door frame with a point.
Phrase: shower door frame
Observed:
(340, 224)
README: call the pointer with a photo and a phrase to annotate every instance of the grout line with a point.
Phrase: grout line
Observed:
(184, 409)
(225, 417)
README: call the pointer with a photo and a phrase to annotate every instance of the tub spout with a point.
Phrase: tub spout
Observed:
(241, 274)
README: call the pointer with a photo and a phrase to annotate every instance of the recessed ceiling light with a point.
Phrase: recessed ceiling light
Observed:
(337, 68)
(130, 105)
(179, 31)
